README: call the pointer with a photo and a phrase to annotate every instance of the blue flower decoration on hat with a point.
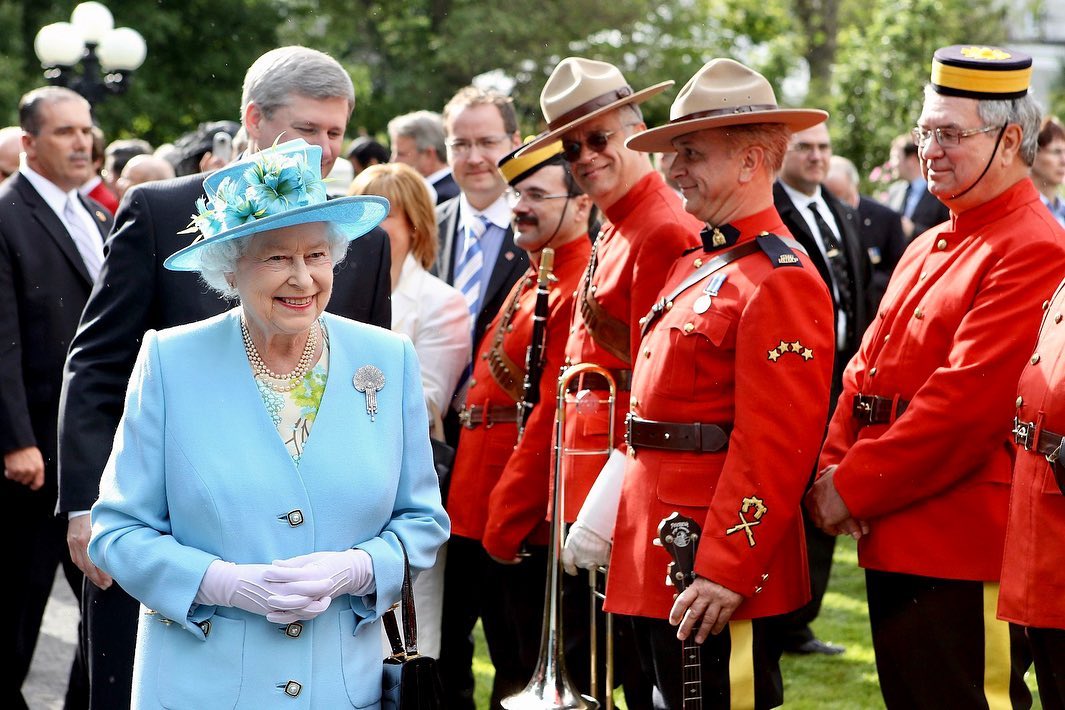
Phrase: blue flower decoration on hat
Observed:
(276, 188)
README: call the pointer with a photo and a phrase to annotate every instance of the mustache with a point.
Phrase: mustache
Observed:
(527, 219)
(80, 156)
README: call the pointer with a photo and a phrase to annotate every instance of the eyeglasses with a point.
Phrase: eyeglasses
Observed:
(596, 141)
(947, 136)
(811, 147)
(532, 195)
(487, 144)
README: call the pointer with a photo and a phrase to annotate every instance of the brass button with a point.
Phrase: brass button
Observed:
(568, 362)
(1035, 358)
(293, 630)
(924, 275)
(757, 590)
(1020, 402)
(689, 327)
(1057, 318)
(292, 688)
(1046, 304)
(941, 244)
(880, 314)
(886, 337)
(697, 263)
(918, 313)
(872, 372)
(473, 382)
(484, 355)
(647, 353)
(592, 289)
(633, 402)
(510, 327)
(575, 293)
(669, 305)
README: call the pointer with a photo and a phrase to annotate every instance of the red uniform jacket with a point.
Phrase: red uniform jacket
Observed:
(647, 231)
(956, 326)
(503, 513)
(1033, 576)
(757, 362)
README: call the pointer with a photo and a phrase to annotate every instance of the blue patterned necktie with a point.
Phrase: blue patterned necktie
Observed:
(468, 271)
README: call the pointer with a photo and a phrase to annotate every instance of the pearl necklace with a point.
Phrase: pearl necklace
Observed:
(289, 381)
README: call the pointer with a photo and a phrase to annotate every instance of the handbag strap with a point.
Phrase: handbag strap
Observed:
(410, 617)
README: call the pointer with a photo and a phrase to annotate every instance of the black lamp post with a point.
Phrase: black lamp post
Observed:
(108, 56)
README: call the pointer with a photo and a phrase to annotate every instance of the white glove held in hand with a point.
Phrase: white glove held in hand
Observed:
(322, 575)
(584, 548)
(246, 587)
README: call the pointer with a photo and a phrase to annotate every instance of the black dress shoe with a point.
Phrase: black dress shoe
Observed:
(816, 645)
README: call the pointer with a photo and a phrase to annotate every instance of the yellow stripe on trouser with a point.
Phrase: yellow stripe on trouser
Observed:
(997, 658)
(741, 665)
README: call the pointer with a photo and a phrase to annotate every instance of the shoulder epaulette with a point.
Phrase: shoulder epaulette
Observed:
(778, 252)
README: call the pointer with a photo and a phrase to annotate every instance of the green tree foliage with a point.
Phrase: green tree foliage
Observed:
(198, 51)
(884, 64)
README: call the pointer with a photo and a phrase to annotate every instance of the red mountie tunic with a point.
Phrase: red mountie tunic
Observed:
(646, 232)
(1032, 589)
(515, 511)
(954, 330)
(758, 362)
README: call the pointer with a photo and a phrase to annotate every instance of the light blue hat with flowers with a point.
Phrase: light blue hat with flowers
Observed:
(272, 189)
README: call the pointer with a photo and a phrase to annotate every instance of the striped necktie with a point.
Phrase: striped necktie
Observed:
(468, 272)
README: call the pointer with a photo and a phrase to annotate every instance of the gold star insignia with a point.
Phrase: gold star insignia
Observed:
(807, 354)
(782, 347)
(796, 346)
(774, 355)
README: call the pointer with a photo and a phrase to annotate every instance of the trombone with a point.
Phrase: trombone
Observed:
(551, 687)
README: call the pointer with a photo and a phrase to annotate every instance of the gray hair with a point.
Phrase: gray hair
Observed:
(425, 128)
(1025, 112)
(217, 260)
(274, 77)
(29, 106)
(845, 168)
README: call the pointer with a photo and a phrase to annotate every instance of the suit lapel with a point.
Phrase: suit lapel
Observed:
(508, 259)
(789, 215)
(53, 226)
(448, 226)
(99, 217)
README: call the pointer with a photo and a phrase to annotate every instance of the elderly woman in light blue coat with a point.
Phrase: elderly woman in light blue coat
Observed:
(272, 464)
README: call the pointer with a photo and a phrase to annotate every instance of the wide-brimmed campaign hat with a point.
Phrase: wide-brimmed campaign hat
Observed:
(272, 189)
(722, 93)
(978, 72)
(579, 90)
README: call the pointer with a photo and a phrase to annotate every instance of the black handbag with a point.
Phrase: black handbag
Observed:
(410, 680)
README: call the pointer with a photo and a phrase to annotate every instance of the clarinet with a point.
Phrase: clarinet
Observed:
(534, 356)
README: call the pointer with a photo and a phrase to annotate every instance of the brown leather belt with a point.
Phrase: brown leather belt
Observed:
(871, 409)
(473, 417)
(674, 436)
(1048, 443)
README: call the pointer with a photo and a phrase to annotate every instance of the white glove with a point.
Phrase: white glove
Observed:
(584, 548)
(325, 575)
(246, 587)
(600, 509)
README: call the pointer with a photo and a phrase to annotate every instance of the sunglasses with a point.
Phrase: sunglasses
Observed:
(596, 141)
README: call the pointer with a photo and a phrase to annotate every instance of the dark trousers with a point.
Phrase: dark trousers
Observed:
(791, 630)
(628, 673)
(1048, 652)
(929, 636)
(509, 600)
(108, 641)
(35, 545)
(660, 653)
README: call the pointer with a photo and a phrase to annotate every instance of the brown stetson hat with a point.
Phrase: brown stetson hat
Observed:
(579, 90)
(722, 93)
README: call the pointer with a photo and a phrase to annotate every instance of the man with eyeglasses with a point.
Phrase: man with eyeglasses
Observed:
(828, 230)
(917, 463)
(503, 478)
(591, 107)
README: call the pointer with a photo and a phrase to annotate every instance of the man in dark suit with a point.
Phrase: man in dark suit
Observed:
(481, 128)
(879, 226)
(51, 249)
(828, 230)
(418, 140)
(920, 209)
(135, 293)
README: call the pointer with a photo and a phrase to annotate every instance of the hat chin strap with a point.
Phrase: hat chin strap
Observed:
(987, 167)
